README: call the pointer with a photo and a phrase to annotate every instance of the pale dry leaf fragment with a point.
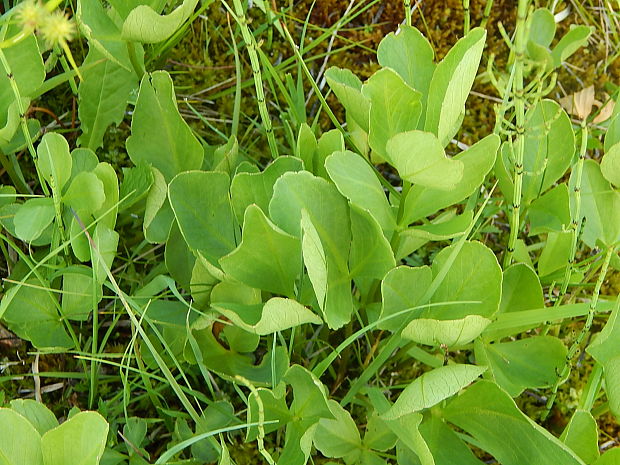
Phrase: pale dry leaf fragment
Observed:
(606, 109)
(580, 103)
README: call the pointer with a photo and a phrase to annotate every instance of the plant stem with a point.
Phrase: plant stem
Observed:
(572, 351)
(466, 17)
(575, 212)
(407, 5)
(520, 128)
(22, 117)
(15, 174)
(237, 105)
(133, 58)
(487, 13)
(252, 46)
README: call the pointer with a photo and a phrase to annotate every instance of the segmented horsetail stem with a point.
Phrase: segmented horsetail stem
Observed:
(487, 13)
(22, 117)
(250, 43)
(575, 212)
(466, 17)
(407, 5)
(261, 419)
(574, 348)
(520, 128)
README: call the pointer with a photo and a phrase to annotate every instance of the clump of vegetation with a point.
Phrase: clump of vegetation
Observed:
(328, 233)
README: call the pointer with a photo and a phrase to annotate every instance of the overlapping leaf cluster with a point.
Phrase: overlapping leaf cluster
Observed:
(318, 241)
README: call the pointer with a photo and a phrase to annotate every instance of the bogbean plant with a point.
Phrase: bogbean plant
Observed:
(274, 278)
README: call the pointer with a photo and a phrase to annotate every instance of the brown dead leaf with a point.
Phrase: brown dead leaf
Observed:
(580, 103)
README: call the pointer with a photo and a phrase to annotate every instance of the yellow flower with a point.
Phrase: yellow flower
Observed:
(31, 14)
(57, 28)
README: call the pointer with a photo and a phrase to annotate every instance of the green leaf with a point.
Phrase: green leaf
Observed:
(277, 314)
(80, 244)
(329, 142)
(610, 165)
(226, 157)
(194, 193)
(475, 275)
(581, 435)
(135, 185)
(542, 27)
(216, 357)
(444, 226)
(407, 428)
(28, 72)
(158, 214)
(298, 443)
(83, 159)
(556, 254)
(306, 146)
(201, 283)
(451, 333)
(331, 285)
(275, 255)
(513, 323)
(20, 443)
(611, 370)
(410, 54)
(178, 257)
(532, 362)
(394, 107)
(54, 159)
(606, 344)
(550, 212)
(338, 438)
(433, 387)
(447, 448)
(492, 418)
(371, 255)
(36, 413)
(143, 24)
(541, 32)
(7, 195)
(357, 181)
(217, 415)
(450, 86)
(309, 395)
(257, 188)
(80, 440)
(478, 160)
(348, 88)
(326, 240)
(32, 314)
(611, 457)
(572, 41)
(102, 32)
(159, 135)
(420, 159)
(274, 408)
(102, 96)
(106, 242)
(106, 214)
(33, 217)
(521, 289)
(600, 205)
(85, 193)
(403, 288)
(548, 151)
(612, 136)
(77, 298)
(378, 436)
